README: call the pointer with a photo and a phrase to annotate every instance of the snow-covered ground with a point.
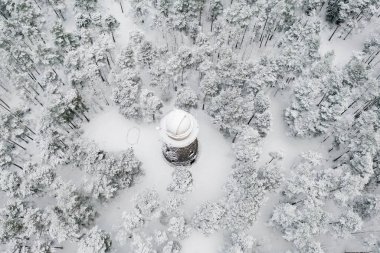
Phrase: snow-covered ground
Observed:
(112, 132)
(344, 49)
(278, 139)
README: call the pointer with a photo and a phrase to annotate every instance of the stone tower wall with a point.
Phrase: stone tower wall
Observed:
(181, 156)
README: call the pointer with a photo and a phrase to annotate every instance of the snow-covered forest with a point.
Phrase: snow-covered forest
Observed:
(286, 94)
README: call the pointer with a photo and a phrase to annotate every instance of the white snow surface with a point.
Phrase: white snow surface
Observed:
(344, 49)
(113, 132)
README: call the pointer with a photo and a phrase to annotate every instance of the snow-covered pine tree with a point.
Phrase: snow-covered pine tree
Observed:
(95, 241)
(72, 212)
(186, 98)
(111, 25)
(208, 217)
(126, 94)
(215, 9)
(150, 105)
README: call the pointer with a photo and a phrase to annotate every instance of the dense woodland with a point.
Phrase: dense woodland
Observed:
(64, 61)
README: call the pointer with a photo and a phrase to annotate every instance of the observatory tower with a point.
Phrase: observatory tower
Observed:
(179, 131)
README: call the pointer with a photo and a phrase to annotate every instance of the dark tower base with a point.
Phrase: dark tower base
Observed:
(181, 156)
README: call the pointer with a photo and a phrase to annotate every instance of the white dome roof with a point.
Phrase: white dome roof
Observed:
(178, 128)
(178, 124)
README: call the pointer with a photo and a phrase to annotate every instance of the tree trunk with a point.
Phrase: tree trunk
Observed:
(35, 91)
(324, 95)
(228, 38)
(360, 13)
(234, 139)
(345, 110)
(42, 39)
(373, 58)
(74, 112)
(105, 99)
(334, 32)
(101, 76)
(369, 57)
(345, 37)
(38, 101)
(242, 39)
(34, 68)
(60, 12)
(362, 232)
(266, 41)
(32, 76)
(204, 102)
(5, 108)
(296, 202)
(121, 7)
(29, 137)
(358, 251)
(63, 143)
(338, 188)
(113, 37)
(15, 143)
(276, 92)
(356, 100)
(108, 62)
(182, 75)
(261, 41)
(51, 5)
(26, 44)
(37, 4)
(71, 124)
(2, 14)
(262, 33)
(320, 9)
(42, 88)
(5, 104)
(28, 91)
(87, 119)
(30, 130)
(249, 121)
(2, 86)
(22, 139)
(367, 105)
(200, 17)
(336, 159)
(18, 166)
